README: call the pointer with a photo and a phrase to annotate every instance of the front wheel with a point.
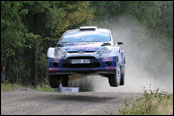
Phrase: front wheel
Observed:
(114, 80)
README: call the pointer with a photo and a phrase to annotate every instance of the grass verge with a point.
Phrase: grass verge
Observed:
(45, 89)
(11, 87)
(152, 103)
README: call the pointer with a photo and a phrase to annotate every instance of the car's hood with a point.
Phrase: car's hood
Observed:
(86, 46)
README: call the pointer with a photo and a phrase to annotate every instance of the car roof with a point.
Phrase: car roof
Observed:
(76, 31)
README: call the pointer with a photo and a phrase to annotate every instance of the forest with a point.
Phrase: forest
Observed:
(29, 28)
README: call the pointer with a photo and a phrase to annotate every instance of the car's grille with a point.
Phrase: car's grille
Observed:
(93, 63)
(79, 52)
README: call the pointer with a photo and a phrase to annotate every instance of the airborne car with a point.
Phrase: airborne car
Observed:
(87, 50)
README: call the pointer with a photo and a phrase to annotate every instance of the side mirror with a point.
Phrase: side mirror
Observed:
(119, 43)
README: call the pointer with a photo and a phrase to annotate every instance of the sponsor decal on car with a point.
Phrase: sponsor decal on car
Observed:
(53, 69)
(82, 48)
(108, 59)
(56, 59)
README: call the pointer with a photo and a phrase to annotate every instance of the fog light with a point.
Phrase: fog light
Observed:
(55, 64)
(108, 63)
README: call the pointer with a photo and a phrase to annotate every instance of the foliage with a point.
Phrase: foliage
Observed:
(45, 89)
(9, 87)
(5, 87)
(153, 103)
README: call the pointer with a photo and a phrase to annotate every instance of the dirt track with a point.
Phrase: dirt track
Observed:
(34, 102)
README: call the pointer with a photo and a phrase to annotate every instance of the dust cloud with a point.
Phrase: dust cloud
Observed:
(147, 66)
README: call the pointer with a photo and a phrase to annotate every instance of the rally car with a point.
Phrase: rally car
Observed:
(87, 50)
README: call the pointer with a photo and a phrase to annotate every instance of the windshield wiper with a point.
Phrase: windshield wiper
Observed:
(106, 44)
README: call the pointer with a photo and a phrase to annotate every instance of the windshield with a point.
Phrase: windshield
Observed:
(86, 36)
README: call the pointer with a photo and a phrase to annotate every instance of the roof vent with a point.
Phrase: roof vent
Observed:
(93, 28)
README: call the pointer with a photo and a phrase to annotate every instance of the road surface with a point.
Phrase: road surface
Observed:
(29, 102)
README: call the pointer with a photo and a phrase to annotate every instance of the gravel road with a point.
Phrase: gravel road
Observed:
(28, 102)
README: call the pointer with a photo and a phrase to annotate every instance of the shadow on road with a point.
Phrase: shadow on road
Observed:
(77, 97)
(84, 98)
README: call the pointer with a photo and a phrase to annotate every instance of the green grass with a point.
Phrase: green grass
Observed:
(45, 89)
(11, 87)
(152, 103)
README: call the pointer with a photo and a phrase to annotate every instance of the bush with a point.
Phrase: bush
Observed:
(9, 87)
(153, 103)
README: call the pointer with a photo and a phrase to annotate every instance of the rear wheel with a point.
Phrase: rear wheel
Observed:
(114, 80)
(54, 81)
(122, 76)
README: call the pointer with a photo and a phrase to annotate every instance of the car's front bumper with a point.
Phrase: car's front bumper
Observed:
(69, 71)
(99, 64)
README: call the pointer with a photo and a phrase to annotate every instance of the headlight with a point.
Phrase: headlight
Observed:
(103, 50)
(59, 52)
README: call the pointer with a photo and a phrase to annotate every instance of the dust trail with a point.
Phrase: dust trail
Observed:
(146, 63)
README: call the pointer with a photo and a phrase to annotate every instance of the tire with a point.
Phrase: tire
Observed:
(114, 80)
(54, 81)
(122, 76)
(65, 81)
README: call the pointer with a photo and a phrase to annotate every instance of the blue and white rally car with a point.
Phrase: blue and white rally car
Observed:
(87, 50)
